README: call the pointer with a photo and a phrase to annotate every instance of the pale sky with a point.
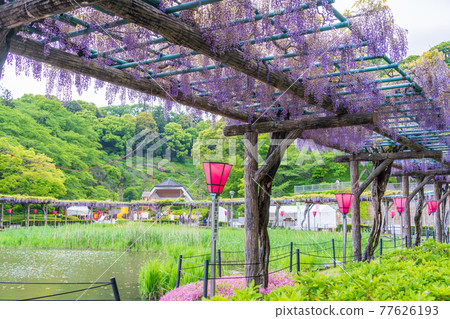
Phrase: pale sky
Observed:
(427, 23)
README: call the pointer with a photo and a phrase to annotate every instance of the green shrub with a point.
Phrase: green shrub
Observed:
(421, 274)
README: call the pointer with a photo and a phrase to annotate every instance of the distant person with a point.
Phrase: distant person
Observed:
(337, 183)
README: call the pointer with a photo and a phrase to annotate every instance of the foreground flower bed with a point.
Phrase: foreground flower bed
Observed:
(226, 287)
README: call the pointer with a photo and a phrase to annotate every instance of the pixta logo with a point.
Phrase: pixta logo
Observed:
(142, 150)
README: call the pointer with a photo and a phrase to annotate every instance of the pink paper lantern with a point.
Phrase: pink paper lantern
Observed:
(216, 176)
(345, 202)
(196, 212)
(314, 213)
(226, 213)
(400, 204)
(432, 206)
(392, 214)
(282, 213)
(34, 211)
(55, 212)
(169, 211)
(9, 210)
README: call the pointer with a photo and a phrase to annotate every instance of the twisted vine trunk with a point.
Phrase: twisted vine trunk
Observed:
(277, 212)
(378, 189)
(306, 213)
(418, 214)
(437, 214)
(257, 205)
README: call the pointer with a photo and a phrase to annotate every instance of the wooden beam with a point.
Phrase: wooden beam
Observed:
(419, 187)
(14, 14)
(35, 50)
(432, 172)
(370, 157)
(444, 197)
(276, 155)
(304, 124)
(374, 174)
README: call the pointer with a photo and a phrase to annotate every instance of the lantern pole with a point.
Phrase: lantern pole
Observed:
(401, 228)
(214, 237)
(344, 222)
(232, 213)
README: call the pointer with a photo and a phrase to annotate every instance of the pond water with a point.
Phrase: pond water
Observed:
(69, 266)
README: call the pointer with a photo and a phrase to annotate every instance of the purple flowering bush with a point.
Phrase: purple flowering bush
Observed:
(226, 287)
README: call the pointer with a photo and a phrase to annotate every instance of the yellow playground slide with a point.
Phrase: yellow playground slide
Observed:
(123, 211)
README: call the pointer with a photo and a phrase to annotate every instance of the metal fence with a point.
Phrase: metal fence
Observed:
(55, 296)
(293, 257)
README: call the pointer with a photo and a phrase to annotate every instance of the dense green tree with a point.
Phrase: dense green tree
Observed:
(36, 177)
(145, 121)
(179, 141)
(444, 47)
(131, 193)
(115, 131)
(158, 116)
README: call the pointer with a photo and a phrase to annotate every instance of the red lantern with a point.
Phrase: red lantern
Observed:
(432, 206)
(314, 213)
(282, 213)
(345, 202)
(216, 176)
(392, 214)
(400, 204)
(225, 213)
(34, 211)
(95, 216)
(9, 210)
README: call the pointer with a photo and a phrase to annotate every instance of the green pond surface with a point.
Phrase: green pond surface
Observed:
(64, 267)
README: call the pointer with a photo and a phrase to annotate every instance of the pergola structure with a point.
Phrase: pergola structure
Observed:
(295, 69)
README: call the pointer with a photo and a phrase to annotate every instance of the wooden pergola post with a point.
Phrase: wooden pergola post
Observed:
(251, 208)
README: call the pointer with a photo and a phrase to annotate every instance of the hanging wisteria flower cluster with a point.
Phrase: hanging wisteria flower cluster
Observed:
(342, 62)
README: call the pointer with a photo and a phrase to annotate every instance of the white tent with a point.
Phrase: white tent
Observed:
(293, 216)
(78, 210)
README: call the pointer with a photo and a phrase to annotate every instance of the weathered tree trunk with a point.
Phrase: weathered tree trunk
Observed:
(356, 212)
(277, 212)
(251, 224)
(45, 210)
(28, 215)
(437, 214)
(418, 214)
(265, 191)
(378, 190)
(306, 212)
